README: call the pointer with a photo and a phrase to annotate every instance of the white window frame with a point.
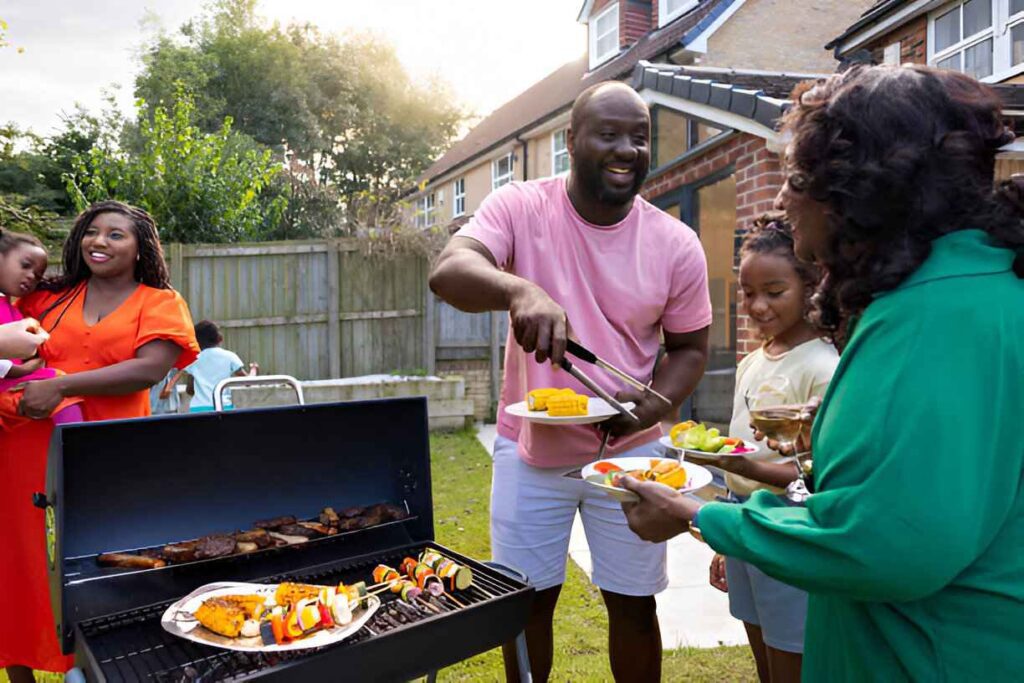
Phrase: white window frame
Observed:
(998, 32)
(497, 180)
(665, 16)
(595, 58)
(426, 210)
(560, 152)
(459, 198)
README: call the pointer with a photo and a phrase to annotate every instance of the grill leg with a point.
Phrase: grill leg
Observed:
(432, 677)
(523, 659)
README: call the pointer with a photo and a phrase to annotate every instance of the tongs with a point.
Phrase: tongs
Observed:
(592, 385)
(587, 356)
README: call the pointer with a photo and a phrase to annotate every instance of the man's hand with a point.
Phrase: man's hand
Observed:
(40, 398)
(717, 573)
(649, 409)
(661, 512)
(21, 338)
(539, 324)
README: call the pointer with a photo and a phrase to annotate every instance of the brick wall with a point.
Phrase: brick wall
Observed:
(477, 374)
(913, 37)
(634, 21)
(758, 179)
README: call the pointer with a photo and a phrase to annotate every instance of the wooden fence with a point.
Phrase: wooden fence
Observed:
(323, 308)
(313, 309)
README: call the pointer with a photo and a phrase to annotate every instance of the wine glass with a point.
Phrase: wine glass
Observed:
(776, 411)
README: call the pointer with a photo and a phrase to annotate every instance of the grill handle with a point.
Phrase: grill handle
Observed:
(261, 380)
(40, 500)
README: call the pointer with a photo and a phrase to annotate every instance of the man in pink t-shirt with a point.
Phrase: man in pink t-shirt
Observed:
(584, 257)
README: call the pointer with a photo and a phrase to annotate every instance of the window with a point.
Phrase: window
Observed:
(459, 198)
(962, 38)
(891, 54)
(673, 135)
(425, 210)
(1016, 24)
(604, 35)
(559, 152)
(669, 10)
(502, 170)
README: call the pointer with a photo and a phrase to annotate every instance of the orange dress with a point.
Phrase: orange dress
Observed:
(27, 634)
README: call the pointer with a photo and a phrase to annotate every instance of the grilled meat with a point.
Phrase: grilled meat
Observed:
(328, 517)
(319, 528)
(352, 512)
(179, 552)
(214, 546)
(258, 536)
(274, 524)
(130, 561)
(298, 530)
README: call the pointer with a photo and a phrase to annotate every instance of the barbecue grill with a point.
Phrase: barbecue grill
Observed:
(135, 486)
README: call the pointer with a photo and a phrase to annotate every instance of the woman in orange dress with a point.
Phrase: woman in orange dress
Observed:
(116, 328)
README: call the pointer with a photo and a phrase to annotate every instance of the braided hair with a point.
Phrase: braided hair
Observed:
(150, 269)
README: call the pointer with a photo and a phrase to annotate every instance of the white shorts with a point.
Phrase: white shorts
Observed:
(532, 511)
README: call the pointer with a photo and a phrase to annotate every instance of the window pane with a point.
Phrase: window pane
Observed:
(1017, 36)
(669, 136)
(608, 44)
(978, 59)
(716, 222)
(607, 22)
(947, 29)
(1016, 6)
(977, 16)
(674, 5)
(952, 63)
(706, 132)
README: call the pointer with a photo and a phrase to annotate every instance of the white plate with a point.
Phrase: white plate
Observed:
(173, 622)
(598, 410)
(697, 477)
(667, 443)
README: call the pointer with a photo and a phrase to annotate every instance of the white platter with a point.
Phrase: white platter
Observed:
(598, 410)
(697, 477)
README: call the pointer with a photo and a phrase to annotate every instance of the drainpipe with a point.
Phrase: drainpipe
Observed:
(526, 156)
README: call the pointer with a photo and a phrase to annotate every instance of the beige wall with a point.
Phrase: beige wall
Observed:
(783, 35)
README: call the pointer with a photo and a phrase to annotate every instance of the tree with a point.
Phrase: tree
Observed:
(349, 117)
(200, 187)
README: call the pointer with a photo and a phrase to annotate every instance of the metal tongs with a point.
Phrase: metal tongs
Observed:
(587, 356)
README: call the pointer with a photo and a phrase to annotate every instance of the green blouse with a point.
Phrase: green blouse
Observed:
(913, 548)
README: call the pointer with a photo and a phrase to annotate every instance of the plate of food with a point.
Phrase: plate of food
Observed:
(562, 407)
(679, 476)
(256, 617)
(699, 442)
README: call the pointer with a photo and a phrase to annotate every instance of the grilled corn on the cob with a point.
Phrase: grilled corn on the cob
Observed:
(538, 398)
(568, 405)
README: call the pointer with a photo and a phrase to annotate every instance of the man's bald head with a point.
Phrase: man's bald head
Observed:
(616, 90)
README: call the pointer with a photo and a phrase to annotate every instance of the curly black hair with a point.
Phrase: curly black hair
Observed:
(901, 156)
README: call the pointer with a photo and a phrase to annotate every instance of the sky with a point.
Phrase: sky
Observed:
(73, 50)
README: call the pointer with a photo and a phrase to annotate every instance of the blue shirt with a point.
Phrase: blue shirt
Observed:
(213, 365)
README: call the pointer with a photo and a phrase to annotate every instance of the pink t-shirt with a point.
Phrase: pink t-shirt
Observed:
(619, 284)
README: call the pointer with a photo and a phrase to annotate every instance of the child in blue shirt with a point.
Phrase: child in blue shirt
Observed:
(213, 365)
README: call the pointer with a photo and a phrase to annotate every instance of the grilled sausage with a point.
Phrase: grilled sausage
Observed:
(298, 530)
(130, 561)
(179, 552)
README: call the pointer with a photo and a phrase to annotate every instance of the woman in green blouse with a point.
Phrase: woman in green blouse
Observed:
(912, 549)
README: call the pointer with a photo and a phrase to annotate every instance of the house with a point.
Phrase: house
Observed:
(983, 38)
(716, 74)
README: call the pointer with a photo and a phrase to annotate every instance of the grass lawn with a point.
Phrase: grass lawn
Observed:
(462, 479)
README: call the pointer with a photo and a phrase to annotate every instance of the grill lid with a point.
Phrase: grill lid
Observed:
(121, 486)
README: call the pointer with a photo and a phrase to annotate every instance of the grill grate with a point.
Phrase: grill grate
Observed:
(133, 646)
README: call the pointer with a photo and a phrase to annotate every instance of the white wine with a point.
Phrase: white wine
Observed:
(781, 423)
